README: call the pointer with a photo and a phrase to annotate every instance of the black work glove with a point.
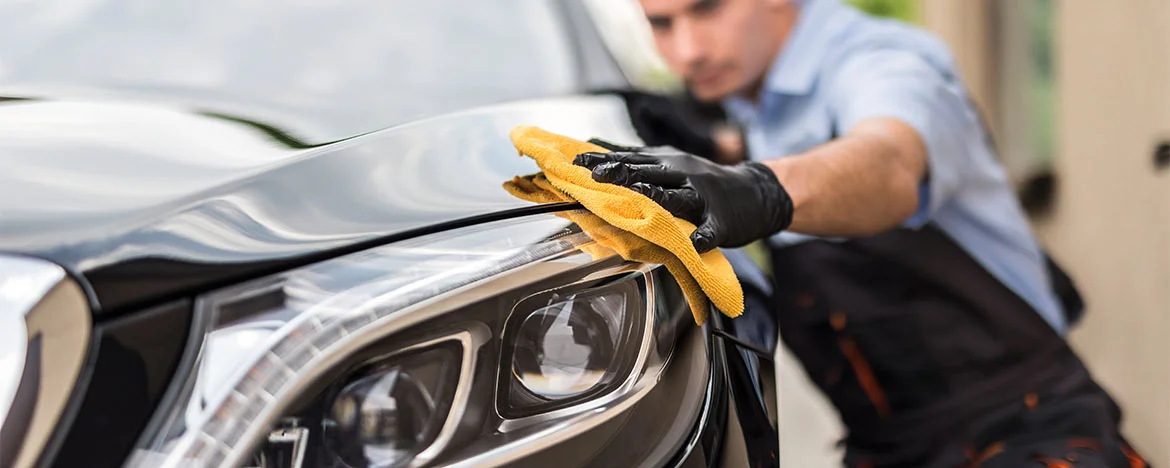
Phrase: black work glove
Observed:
(666, 121)
(732, 205)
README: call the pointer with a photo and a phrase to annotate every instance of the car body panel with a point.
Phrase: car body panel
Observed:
(133, 360)
(158, 152)
(202, 201)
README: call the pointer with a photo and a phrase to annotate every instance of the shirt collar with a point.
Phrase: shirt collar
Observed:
(796, 68)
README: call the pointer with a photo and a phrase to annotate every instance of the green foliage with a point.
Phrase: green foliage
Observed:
(904, 10)
(1043, 86)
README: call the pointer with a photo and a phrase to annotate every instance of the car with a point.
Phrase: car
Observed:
(243, 234)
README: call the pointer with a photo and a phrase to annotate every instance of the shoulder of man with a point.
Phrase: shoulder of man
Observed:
(877, 36)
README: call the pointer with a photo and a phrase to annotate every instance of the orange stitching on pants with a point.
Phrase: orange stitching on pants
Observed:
(861, 368)
(1054, 462)
(1031, 400)
(1085, 444)
(837, 321)
(806, 300)
(1135, 460)
(984, 455)
(865, 377)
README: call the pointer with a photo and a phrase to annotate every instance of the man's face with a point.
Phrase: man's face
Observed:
(719, 47)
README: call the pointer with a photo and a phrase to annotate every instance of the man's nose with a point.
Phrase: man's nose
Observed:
(688, 48)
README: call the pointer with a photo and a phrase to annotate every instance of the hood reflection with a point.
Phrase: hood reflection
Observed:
(95, 186)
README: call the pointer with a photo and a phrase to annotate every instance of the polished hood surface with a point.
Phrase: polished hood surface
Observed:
(147, 202)
(324, 70)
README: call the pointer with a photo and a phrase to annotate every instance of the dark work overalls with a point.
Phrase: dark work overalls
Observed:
(932, 362)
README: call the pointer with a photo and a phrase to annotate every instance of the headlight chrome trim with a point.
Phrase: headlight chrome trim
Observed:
(469, 342)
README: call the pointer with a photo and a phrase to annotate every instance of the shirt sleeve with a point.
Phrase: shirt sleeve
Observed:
(902, 85)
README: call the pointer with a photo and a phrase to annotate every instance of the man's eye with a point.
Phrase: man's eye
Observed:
(659, 23)
(706, 7)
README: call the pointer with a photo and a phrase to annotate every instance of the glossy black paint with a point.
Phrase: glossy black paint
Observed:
(708, 436)
(759, 433)
(748, 393)
(157, 220)
(189, 154)
(135, 361)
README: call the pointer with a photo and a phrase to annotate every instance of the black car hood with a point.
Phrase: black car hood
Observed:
(145, 202)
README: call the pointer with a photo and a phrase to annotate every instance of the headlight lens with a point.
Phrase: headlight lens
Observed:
(562, 350)
(391, 413)
(566, 347)
(389, 357)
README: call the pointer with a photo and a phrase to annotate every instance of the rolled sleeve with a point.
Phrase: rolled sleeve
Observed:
(902, 85)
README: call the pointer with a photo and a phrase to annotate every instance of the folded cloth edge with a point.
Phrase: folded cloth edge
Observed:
(627, 211)
(610, 239)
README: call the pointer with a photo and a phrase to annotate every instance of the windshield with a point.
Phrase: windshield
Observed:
(322, 69)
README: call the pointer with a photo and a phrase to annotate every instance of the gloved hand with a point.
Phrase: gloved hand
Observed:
(666, 121)
(731, 205)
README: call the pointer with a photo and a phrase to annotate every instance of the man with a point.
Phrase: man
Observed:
(907, 280)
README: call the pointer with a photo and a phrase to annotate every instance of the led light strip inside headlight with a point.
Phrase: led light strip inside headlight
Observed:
(262, 342)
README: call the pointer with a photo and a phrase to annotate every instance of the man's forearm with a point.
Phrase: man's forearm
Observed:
(859, 185)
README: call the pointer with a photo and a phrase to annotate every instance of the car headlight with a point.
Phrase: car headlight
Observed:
(454, 348)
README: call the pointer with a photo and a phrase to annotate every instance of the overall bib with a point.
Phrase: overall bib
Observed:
(932, 362)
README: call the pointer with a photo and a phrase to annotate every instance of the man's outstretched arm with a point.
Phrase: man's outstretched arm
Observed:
(861, 184)
(903, 154)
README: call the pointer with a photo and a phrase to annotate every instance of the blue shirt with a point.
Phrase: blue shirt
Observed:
(840, 67)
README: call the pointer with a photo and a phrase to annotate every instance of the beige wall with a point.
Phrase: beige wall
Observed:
(965, 26)
(1112, 222)
(1111, 225)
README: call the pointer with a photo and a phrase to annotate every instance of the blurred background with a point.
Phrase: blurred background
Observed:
(1077, 96)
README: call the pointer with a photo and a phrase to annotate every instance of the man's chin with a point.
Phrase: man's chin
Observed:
(708, 95)
(711, 93)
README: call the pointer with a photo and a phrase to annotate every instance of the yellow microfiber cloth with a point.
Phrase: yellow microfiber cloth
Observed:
(624, 220)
